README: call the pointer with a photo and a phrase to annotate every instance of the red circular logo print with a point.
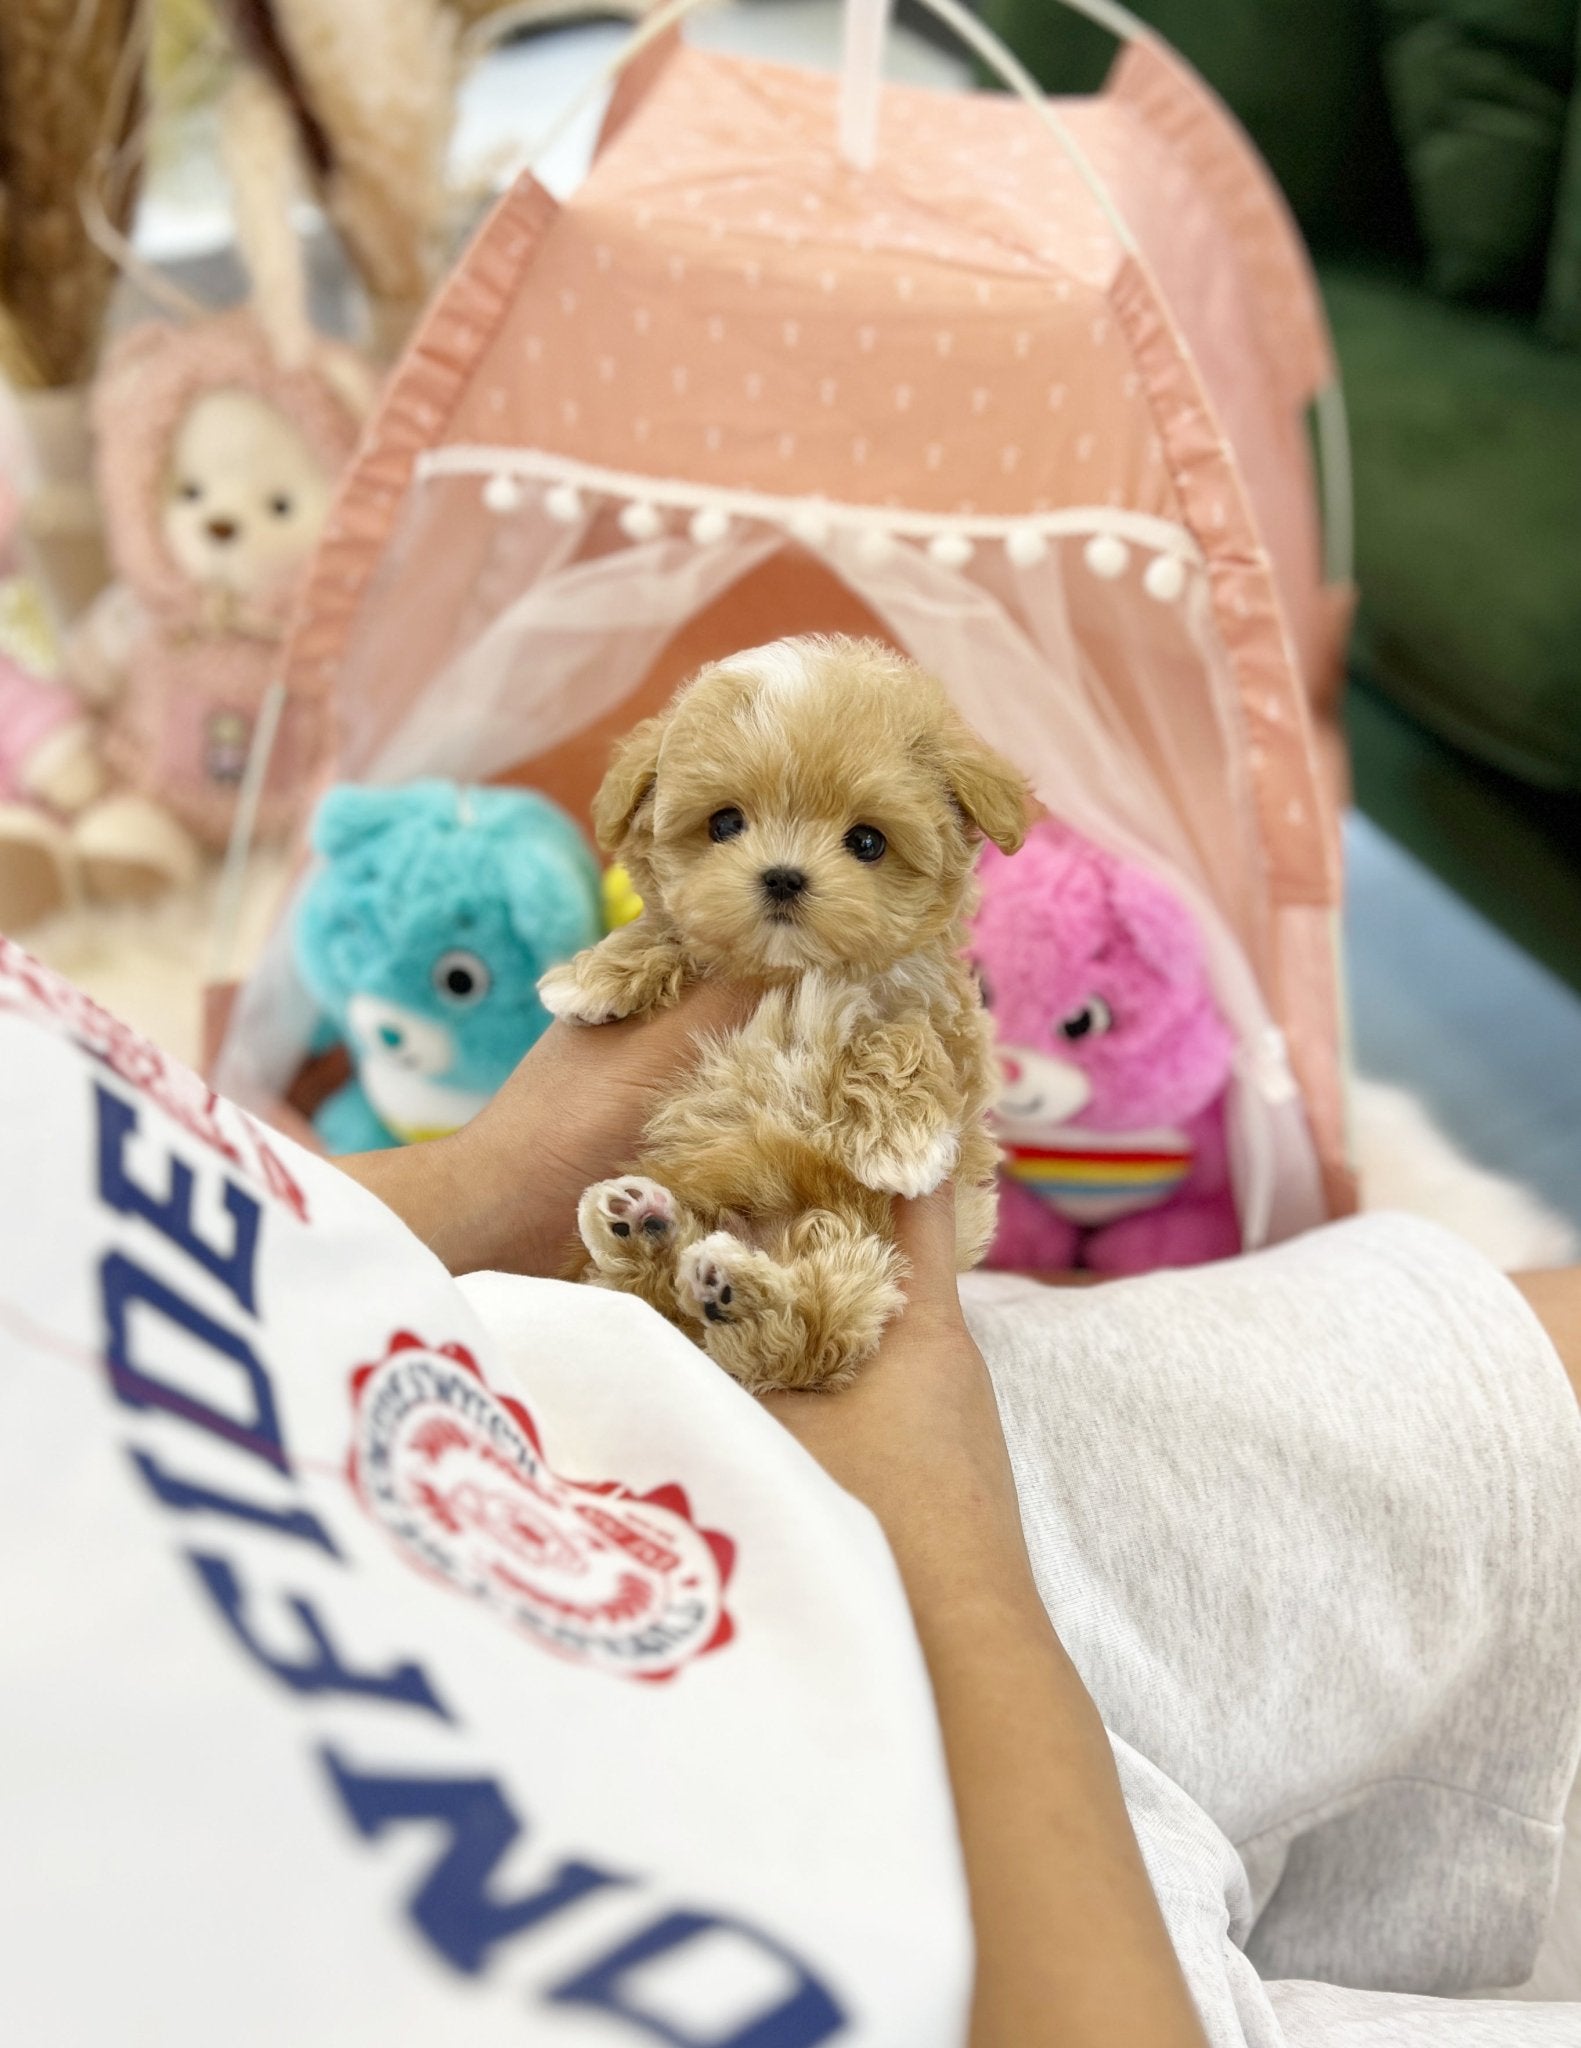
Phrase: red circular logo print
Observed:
(624, 1582)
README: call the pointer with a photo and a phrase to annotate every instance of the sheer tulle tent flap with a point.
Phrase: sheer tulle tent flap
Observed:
(1025, 394)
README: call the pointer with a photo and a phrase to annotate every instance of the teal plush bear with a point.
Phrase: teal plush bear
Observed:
(422, 937)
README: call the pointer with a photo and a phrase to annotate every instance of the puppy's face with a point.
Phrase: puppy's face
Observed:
(813, 803)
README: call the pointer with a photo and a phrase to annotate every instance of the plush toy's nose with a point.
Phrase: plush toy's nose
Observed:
(783, 885)
(223, 529)
(391, 1035)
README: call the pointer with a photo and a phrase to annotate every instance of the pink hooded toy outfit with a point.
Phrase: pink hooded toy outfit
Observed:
(1114, 1061)
(179, 729)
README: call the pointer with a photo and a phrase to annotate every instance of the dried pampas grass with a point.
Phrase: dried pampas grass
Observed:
(186, 62)
(259, 145)
(508, 17)
(471, 11)
(371, 85)
(68, 104)
(70, 94)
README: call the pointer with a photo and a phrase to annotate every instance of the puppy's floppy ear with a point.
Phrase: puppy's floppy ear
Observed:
(988, 792)
(626, 793)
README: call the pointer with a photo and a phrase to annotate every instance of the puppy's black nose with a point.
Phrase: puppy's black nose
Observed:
(783, 885)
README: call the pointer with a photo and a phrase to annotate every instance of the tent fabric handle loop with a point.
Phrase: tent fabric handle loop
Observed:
(866, 24)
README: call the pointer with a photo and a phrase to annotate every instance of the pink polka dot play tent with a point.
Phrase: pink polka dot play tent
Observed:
(1023, 385)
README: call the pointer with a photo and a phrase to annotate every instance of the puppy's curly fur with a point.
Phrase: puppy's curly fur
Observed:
(803, 817)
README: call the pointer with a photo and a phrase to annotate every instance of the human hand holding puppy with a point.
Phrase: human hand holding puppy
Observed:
(500, 1195)
(803, 817)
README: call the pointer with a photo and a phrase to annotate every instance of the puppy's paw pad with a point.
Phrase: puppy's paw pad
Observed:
(705, 1281)
(633, 1209)
(911, 1172)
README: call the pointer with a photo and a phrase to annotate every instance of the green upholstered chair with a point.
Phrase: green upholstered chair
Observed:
(1431, 150)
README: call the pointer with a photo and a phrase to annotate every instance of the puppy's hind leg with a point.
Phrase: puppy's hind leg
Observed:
(807, 1319)
(634, 1231)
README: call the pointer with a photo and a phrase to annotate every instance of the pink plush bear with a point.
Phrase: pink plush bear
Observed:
(1114, 1062)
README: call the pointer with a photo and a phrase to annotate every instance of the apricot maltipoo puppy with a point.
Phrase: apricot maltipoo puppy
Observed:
(803, 817)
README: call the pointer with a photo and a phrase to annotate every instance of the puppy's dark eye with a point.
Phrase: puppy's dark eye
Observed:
(282, 505)
(726, 824)
(1092, 1020)
(189, 490)
(866, 842)
(461, 977)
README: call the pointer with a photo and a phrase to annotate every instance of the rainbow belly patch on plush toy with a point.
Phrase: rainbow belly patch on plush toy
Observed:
(1092, 1177)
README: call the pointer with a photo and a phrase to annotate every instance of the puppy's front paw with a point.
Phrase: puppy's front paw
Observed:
(620, 977)
(580, 998)
(908, 1170)
(623, 1219)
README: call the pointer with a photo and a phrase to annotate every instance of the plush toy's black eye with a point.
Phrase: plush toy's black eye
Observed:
(866, 842)
(461, 977)
(281, 505)
(1092, 1020)
(727, 823)
(190, 490)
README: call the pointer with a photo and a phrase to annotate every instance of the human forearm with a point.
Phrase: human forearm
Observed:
(432, 1191)
(501, 1199)
(1555, 1299)
(1071, 1945)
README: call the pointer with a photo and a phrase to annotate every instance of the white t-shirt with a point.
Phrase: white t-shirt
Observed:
(386, 1660)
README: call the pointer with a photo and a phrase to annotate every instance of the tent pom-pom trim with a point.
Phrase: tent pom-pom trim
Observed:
(811, 525)
(564, 504)
(503, 493)
(1107, 556)
(641, 520)
(952, 550)
(1164, 578)
(875, 534)
(710, 526)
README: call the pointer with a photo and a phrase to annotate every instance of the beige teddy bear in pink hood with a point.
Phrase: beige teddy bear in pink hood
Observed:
(216, 468)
